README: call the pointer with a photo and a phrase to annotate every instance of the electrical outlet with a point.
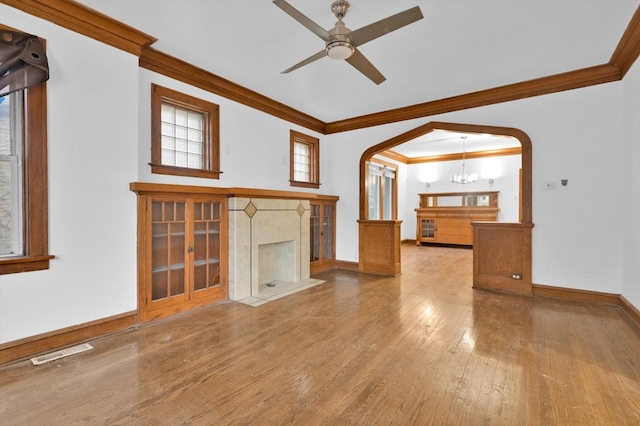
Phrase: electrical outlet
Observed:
(516, 276)
(548, 185)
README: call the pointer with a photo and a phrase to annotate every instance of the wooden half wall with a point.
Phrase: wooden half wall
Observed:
(379, 247)
(502, 257)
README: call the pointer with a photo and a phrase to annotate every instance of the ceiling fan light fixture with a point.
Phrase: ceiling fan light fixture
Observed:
(340, 49)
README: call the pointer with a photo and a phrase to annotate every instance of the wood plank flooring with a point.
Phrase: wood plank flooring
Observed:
(422, 348)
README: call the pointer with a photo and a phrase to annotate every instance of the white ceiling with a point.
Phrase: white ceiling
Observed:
(440, 142)
(459, 47)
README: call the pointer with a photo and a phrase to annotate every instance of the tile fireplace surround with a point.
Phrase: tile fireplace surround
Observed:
(274, 230)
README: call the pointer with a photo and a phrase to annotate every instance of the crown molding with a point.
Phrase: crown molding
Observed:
(389, 153)
(170, 66)
(86, 21)
(89, 22)
(468, 155)
(541, 86)
(625, 54)
(628, 47)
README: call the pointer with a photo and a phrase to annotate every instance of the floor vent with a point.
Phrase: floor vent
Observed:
(42, 359)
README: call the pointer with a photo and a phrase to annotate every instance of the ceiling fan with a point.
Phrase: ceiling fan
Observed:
(342, 43)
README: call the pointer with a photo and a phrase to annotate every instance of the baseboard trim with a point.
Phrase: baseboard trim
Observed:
(576, 295)
(412, 242)
(632, 312)
(42, 343)
(346, 265)
(588, 296)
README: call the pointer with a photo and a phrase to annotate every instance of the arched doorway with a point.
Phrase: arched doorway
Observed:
(502, 251)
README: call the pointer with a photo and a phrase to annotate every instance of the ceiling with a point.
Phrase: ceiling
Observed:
(441, 142)
(459, 47)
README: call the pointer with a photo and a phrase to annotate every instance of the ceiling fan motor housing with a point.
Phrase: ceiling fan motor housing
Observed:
(341, 47)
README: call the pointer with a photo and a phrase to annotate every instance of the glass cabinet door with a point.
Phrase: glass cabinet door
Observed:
(206, 245)
(168, 224)
(315, 232)
(327, 231)
(322, 234)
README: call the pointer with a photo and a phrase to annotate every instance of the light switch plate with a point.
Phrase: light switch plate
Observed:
(548, 185)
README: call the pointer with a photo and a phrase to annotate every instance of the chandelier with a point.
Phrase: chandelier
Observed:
(464, 178)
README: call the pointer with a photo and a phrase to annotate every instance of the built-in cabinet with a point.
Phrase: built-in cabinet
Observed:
(446, 217)
(323, 234)
(182, 253)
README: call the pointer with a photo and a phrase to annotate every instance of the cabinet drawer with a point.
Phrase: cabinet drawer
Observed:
(453, 223)
(455, 239)
(485, 216)
(459, 215)
(453, 230)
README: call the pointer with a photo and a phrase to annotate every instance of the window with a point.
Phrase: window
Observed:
(382, 191)
(11, 233)
(184, 135)
(304, 160)
(24, 231)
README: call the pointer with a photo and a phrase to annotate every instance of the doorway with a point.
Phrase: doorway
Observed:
(516, 234)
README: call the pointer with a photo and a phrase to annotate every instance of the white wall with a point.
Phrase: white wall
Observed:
(577, 135)
(254, 146)
(99, 106)
(99, 142)
(505, 171)
(631, 208)
(93, 121)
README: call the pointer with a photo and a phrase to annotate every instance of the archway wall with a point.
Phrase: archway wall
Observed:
(576, 135)
(631, 286)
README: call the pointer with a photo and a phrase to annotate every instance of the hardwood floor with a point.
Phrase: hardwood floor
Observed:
(422, 348)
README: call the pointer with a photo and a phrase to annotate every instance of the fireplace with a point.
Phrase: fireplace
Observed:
(268, 241)
(277, 262)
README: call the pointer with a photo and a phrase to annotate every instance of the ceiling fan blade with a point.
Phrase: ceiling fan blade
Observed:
(385, 26)
(298, 16)
(362, 64)
(321, 54)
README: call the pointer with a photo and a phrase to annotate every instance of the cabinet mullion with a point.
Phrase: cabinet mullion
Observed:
(189, 242)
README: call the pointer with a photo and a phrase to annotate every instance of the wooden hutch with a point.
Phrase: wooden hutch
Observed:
(446, 217)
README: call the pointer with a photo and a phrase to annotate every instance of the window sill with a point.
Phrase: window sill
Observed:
(184, 171)
(304, 184)
(14, 265)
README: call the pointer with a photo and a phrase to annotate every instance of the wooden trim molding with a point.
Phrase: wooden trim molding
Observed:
(180, 70)
(34, 345)
(541, 86)
(86, 21)
(346, 265)
(170, 189)
(450, 157)
(628, 47)
(469, 155)
(35, 186)
(588, 296)
(632, 312)
(576, 295)
(395, 156)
